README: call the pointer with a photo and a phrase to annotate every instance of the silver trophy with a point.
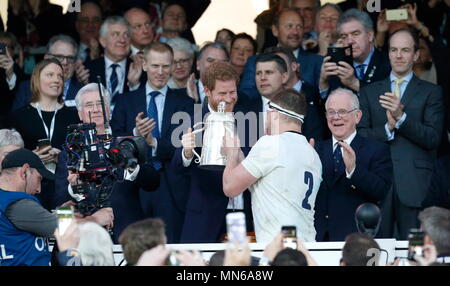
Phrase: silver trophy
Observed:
(215, 125)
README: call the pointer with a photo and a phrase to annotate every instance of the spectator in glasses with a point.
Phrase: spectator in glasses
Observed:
(183, 60)
(64, 49)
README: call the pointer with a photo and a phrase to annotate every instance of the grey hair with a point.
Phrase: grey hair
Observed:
(435, 222)
(113, 20)
(331, 5)
(182, 45)
(95, 246)
(356, 15)
(216, 45)
(88, 88)
(10, 137)
(354, 99)
(63, 38)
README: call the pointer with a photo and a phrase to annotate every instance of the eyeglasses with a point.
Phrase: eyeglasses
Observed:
(182, 61)
(91, 105)
(61, 58)
(340, 112)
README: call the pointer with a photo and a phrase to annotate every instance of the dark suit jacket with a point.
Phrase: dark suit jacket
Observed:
(97, 68)
(207, 204)
(379, 68)
(314, 125)
(439, 190)
(123, 122)
(339, 197)
(124, 197)
(23, 94)
(310, 65)
(414, 147)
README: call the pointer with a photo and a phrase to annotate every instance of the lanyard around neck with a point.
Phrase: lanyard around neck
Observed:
(48, 132)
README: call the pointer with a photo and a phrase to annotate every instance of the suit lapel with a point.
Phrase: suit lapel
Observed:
(373, 65)
(142, 101)
(169, 105)
(102, 71)
(411, 90)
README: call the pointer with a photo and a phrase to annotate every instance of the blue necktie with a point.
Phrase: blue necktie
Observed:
(152, 112)
(338, 160)
(113, 80)
(360, 71)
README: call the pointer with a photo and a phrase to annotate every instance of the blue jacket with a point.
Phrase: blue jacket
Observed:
(18, 247)
(339, 197)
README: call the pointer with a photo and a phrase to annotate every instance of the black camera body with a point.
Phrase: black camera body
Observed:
(338, 54)
(99, 163)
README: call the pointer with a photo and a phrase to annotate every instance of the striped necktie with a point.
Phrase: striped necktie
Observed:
(114, 81)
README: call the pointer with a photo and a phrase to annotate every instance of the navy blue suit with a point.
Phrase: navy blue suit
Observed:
(314, 125)
(23, 94)
(379, 68)
(207, 205)
(338, 197)
(97, 68)
(169, 201)
(310, 65)
(124, 197)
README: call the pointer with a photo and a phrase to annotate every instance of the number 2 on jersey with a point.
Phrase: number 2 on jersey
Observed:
(309, 181)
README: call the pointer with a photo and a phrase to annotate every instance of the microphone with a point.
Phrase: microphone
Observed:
(368, 219)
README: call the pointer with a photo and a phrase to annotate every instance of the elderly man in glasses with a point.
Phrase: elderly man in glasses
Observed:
(356, 170)
(64, 49)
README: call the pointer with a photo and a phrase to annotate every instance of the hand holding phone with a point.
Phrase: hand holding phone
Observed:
(397, 15)
(43, 143)
(289, 236)
(338, 54)
(65, 218)
(236, 228)
(415, 246)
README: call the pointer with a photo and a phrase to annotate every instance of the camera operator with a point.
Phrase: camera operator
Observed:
(435, 223)
(125, 195)
(24, 223)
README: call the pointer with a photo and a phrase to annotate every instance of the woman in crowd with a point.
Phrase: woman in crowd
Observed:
(45, 119)
(243, 46)
(225, 37)
(183, 59)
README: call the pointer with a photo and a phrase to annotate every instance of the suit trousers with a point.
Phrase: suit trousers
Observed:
(161, 204)
(405, 218)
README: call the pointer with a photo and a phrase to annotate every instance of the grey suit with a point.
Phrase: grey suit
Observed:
(415, 144)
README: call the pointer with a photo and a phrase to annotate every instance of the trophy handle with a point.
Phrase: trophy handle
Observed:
(197, 160)
(198, 130)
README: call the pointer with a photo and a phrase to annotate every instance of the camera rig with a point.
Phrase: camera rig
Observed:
(99, 161)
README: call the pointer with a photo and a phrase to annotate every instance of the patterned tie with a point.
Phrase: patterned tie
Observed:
(338, 160)
(360, 71)
(398, 84)
(113, 80)
(152, 112)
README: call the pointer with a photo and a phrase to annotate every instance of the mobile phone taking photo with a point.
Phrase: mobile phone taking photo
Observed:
(415, 245)
(65, 218)
(236, 228)
(289, 236)
(43, 143)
